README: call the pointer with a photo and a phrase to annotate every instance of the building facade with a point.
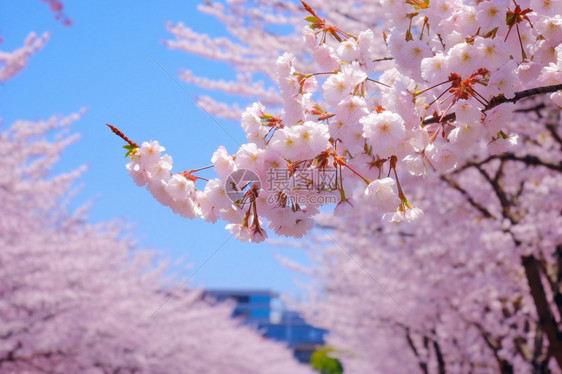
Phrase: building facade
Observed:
(264, 310)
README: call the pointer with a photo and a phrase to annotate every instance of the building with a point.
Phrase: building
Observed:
(264, 310)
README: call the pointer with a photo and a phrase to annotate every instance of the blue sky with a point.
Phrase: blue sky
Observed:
(105, 62)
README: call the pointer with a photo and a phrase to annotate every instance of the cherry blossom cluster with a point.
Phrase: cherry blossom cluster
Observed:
(452, 72)
(11, 63)
(57, 8)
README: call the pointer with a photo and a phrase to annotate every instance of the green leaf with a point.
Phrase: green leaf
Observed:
(312, 19)
(502, 135)
(322, 362)
(130, 149)
(510, 19)
(491, 34)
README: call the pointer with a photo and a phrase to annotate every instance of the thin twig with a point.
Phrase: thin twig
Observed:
(498, 100)
(120, 134)
(481, 208)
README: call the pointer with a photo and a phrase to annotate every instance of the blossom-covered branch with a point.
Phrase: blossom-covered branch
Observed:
(498, 100)
(347, 133)
(11, 63)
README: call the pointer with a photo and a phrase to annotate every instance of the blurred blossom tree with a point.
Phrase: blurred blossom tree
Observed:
(474, 286)
(11, 63)
(79, 298)
(57, 8)
(259, 32)
(453, 104)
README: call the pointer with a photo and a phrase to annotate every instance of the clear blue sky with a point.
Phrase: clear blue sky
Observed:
(104, 62)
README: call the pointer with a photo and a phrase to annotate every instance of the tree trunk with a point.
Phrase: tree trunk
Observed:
(547, 322)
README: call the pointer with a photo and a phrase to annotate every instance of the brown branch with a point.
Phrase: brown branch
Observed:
(527, 159)
(348, 16)
(481, 208)
(120, 134)
(547, 321)
(537, 109)
(559, 267)
(499, 173)
(553, 272)
(505, 202)
(383, 59)
(552, 129)
(504, 366)
(440, 358)
(552, 124)
(422, 364)
(541, 359)
(498, 100)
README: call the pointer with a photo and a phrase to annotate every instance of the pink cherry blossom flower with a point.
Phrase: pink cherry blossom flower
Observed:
(384, 131)
(381, 193)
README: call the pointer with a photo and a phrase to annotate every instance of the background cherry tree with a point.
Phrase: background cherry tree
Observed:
(472, 287)
(456, 110)
(259, 32)
(81, 298)
(13, 62)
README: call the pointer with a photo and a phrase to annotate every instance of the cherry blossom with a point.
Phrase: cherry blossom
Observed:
(446, 108)
(359, 104)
